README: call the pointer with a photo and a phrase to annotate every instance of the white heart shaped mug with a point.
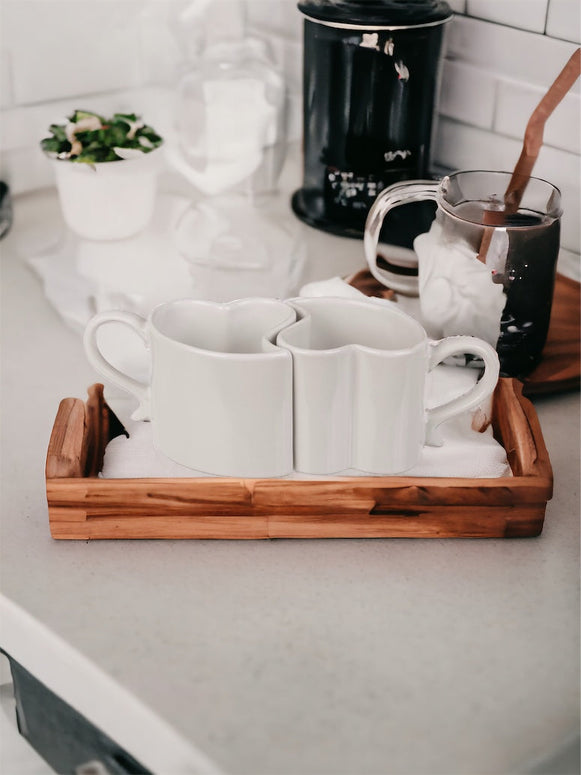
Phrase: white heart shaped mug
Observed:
(359, 374)
(220, 396)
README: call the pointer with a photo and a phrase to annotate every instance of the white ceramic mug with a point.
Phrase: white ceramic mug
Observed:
(359, 373)
(220, 397)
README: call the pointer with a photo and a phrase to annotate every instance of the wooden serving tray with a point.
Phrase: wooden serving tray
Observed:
(82, 506)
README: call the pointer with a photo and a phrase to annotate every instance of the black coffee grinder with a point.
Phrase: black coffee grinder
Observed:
(371, 74)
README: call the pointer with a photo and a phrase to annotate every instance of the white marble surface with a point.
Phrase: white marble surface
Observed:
(346, 657)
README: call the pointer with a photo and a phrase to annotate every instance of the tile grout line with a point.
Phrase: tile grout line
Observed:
(547, 18)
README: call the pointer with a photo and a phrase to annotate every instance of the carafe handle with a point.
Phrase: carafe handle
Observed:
(392, 196)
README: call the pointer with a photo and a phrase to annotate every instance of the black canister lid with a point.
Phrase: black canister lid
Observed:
(377, 13)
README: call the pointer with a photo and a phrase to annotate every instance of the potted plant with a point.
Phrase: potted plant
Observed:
(106, 173)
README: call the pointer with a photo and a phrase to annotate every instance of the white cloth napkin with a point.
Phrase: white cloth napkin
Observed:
(334, 286)
(82, 277)
(464, 453)
(338, 286)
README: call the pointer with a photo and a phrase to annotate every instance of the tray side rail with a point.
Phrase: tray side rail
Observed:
(81, 505)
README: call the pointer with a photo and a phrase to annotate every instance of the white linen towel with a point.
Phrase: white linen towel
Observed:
(464, 453)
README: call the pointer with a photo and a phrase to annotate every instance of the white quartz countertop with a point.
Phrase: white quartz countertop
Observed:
(298, 657)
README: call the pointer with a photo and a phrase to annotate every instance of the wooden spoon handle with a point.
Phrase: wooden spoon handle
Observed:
(532, 143)
(533, 138)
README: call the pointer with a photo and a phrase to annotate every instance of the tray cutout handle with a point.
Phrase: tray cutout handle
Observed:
(517, 426)
(79, 436)
(67, 448)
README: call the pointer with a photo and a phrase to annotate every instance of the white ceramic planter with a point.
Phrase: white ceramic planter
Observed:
(109, 200)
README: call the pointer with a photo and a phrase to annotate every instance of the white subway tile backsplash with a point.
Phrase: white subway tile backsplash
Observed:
(25, 169)
(467, 94)
(23, 127)
(564, 171)
(162, 50)
(64, 48)
(6, 98)
(564, 20)
(459, 146)
(516, 102)
(561, 168)
(524, 14)
(510, 53)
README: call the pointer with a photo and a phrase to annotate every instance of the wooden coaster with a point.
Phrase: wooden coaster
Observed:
(560, 368)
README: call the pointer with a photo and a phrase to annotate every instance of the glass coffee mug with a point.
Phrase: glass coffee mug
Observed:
(491, 281)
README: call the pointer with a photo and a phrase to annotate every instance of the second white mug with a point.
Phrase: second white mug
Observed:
(359, 374)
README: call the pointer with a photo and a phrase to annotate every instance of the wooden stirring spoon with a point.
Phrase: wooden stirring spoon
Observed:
(533, 141)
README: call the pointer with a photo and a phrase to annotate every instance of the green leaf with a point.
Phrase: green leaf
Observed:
(88, 137)
(50, 145)
(119, 134)
(85, 158)
(98, 144)
(58, 131)
(125, 117)
(78, 115)
(151, 135)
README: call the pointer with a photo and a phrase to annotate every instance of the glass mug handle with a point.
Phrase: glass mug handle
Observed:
(101, 364)
(393, 196)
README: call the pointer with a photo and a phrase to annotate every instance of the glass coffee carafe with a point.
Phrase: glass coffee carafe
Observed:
(491, 281)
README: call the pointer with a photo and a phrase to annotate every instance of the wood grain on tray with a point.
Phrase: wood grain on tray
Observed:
(83, 506)
(560, 368)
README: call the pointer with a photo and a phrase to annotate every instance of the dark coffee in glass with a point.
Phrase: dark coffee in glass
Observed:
(493, 282)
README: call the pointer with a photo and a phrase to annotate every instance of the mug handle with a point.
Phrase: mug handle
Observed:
(392, 196)
(96, 359)
(458, 345)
